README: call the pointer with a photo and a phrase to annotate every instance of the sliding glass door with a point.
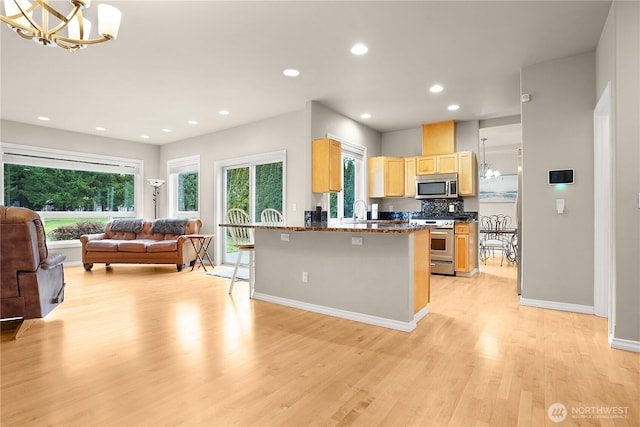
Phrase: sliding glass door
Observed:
(252, 185)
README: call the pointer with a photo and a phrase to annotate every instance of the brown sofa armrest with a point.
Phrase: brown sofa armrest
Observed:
(86, 237)
(53, 260)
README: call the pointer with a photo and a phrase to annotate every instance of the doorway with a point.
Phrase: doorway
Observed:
(603, 205)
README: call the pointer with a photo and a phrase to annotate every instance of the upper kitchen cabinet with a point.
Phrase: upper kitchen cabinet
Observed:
(467, 173)
(410, 176)
(326, 167)
(445, 163)
(386, 177)
(439, 138)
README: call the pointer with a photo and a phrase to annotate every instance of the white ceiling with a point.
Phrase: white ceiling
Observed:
(176, 61)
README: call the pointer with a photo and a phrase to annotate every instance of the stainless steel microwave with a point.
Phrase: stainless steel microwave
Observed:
(439, 186)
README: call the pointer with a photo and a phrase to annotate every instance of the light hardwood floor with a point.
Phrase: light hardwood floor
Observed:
(148, 346)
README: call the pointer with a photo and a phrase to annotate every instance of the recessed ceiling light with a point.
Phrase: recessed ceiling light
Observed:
(436, 89)
(166, 130)
(453, 107)
(224, 112)
(43, 118)
(365, 115)
(145, 136)
(101, 129)
(359, 49)
(192, 122)
(291, 72)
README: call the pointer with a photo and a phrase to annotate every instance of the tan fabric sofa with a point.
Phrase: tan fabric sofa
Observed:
(128, 244)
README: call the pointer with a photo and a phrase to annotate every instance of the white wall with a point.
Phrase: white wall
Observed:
(285, 132)
(618, 62)
(557, 126)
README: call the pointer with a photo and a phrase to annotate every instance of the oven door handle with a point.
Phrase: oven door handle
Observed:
(441, 233)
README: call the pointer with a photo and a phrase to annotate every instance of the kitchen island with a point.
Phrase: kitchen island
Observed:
(376, 272)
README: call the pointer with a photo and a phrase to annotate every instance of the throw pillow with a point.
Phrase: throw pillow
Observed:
(169, 226)
(127, 225)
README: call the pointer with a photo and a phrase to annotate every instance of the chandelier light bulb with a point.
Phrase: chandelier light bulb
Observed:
(108, 20)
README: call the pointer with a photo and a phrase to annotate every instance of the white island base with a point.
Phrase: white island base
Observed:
(383, 281)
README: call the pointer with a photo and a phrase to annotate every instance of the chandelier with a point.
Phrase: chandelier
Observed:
(19, 16)
(485, 169)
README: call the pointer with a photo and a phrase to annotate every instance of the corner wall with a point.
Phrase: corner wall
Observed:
(618, 62)
(322, 121)
(557, 131)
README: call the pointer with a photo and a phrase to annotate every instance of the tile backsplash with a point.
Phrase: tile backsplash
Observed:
(440, 207)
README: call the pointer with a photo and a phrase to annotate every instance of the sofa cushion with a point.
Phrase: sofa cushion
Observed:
(169, 226)
(127, 225)
(107, 245)
(163, 246)
(132, 246)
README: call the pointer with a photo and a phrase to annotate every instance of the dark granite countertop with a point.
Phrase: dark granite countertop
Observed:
(345, 226)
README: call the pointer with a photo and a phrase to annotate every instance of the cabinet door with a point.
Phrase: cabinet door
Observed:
(448, 163)
(409, 177)
(438, 138)
(421, 269)
(394, 177)
(426, 165)
(326, 166)
(461, 249)
(335, 167)
(467, 173)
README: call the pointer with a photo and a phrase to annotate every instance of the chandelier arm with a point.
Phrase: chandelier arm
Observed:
(55, 13)
(58, 39)
(64, 20)
(23, 14)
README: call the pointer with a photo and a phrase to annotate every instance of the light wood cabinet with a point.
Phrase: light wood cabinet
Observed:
(421, 269)
(465, 248)
(386, 176)
(326, 168)
(445, 163)
(467, 173)
(439, 138)
(409, 176)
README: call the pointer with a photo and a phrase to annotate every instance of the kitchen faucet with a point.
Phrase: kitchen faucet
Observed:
(355, 216)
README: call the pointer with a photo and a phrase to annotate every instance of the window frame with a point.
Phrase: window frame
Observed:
(75, 160)
(359, 154)
(174, 168)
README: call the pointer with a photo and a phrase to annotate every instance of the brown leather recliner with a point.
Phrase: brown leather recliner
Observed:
(32, 279)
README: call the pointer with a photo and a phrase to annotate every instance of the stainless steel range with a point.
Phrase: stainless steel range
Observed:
(442, 244)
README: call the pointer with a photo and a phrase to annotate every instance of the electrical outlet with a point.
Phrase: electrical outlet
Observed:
(284, 237)
(356, 241)
(305, 277)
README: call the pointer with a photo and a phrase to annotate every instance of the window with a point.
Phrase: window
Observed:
(353, 180)
(184, 188)
(74, 193)
(253, 184)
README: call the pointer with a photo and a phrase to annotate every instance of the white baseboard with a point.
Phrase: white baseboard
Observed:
(469, 274)
(562, 306)
(344, 314)
(623, 344)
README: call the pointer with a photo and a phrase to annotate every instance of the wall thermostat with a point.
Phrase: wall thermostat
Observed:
(561, 176)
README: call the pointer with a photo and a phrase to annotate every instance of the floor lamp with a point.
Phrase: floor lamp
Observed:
(155, 183)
